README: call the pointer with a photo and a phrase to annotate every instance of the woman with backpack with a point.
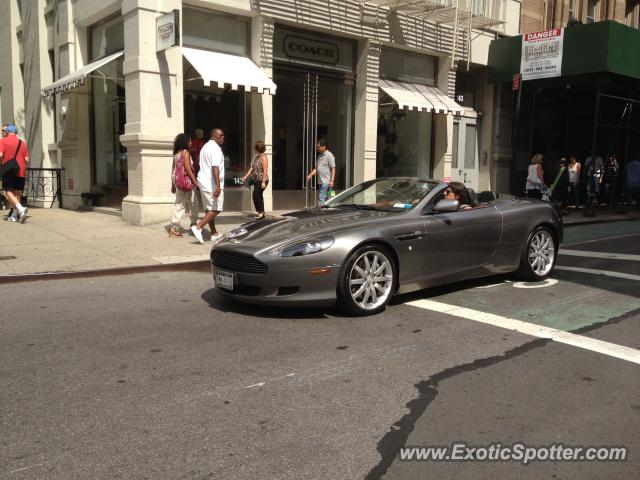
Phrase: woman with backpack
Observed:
(183, 182)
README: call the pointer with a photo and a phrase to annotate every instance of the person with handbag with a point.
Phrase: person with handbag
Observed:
(14, 156)
(183, 182)
(258, 176)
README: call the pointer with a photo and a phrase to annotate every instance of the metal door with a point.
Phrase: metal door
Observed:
(464, 158)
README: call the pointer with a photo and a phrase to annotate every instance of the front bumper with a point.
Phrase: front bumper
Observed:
(282, 286)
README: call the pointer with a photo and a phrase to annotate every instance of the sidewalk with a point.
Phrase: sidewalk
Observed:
(55, 240)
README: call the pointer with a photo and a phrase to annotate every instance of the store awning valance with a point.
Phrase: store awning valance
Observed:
(220, 69)
(411, 96)
(78, 77)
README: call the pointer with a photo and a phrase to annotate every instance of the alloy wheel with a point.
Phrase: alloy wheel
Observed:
(371, 280)
(541, 253)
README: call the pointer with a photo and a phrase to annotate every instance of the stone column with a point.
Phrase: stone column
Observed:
(154, 103)
(366, 112)
(262, 104)
(443, 131)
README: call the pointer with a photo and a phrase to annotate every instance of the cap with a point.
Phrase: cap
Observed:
(11, 129)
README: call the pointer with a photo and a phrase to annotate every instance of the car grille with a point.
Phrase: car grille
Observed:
(238, 262)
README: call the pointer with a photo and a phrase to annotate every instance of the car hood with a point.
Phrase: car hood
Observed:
(275, 230)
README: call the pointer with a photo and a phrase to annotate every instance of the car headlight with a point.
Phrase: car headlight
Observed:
(236, 232)
(303, 248)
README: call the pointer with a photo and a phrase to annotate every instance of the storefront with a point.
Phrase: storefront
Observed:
(315, 78)
(408, 101)
(590, 108)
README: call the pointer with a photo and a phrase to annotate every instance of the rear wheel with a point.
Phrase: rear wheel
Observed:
(366, 283)
(539, 255)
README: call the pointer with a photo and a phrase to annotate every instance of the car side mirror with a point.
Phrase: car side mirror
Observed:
(446, 205)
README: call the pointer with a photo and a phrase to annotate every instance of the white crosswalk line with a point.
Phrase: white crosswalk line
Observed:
(606, 273)
(589, 254)
(541, 331)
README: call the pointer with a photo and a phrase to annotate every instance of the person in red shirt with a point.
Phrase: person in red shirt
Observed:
(11, 147)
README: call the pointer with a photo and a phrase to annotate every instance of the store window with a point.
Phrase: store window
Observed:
(407, 67)
(213, 31)
(591, 11)
(207, 107)
(108, 106)
(404, 136)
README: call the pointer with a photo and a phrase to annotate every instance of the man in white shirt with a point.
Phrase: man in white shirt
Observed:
(211, 184)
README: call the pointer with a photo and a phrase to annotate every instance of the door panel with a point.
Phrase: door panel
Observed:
(462, 240)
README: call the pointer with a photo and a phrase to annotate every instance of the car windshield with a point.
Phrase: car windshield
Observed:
(388, 194)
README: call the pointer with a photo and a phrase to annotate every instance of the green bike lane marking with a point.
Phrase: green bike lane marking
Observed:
(577, 300)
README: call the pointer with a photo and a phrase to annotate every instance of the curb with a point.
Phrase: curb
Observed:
(197, 266)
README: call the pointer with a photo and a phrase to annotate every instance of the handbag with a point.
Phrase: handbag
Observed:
(183, 182)
(11, 164)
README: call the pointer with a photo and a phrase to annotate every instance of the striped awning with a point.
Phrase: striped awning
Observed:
(78, 77)
(411, 96)
(221, 69)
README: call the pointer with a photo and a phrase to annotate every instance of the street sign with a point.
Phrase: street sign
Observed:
(515, 83)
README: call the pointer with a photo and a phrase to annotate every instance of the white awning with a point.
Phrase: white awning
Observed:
(410, 96)
(221, 69)
(78, 77)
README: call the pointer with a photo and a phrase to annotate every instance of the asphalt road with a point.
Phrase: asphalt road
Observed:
(155, 376)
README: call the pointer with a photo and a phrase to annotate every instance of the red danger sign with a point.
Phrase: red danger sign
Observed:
(554, 32)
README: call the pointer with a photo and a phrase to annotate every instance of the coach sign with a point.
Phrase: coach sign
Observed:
(305, 48)
(167, 28)
(542, 54)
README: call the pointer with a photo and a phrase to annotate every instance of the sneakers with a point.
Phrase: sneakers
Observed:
(11, 218)
(22, 216)
(197, 233)
(215, 236)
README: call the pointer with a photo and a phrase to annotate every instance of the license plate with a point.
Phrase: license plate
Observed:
(224, 280)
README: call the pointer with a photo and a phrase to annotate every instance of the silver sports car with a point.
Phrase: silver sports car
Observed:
(382, 237)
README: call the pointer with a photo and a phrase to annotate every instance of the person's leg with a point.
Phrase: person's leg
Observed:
(258, 200)
(195, 206)
(322, 194)
(178, 212)
(218, 203)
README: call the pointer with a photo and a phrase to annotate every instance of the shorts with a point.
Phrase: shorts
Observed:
(211, 203)
(12, 182)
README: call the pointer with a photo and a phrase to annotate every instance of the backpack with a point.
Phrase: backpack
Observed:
(183, 182)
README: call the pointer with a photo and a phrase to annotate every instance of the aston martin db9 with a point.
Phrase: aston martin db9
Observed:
(380, 238)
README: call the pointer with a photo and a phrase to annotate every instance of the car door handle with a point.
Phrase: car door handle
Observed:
(410, 235)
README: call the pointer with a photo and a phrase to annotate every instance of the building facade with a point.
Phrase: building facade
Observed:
(92, 93)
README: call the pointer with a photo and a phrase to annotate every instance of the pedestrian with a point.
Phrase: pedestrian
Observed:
(633, 179)
(592, 177)
(325, 170)
(574, 180)
(184, 191)
(611, 171)
(211, 184)
(535, 185)
(259, 175)
(14, 155)
(559, 189)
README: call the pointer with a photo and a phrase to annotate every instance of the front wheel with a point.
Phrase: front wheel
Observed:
(539, 255)
(366, 283)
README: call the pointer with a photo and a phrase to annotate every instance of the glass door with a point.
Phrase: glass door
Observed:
(464, 159)
(307, 107)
